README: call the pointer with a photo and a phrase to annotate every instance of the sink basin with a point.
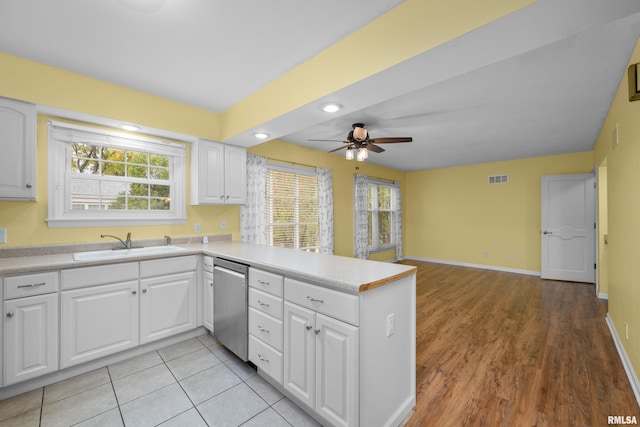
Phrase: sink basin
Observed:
(124, 253)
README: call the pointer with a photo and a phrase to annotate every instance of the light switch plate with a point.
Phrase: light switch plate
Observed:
(3, 235)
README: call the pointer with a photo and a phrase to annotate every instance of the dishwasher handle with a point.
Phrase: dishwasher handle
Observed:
(227, 271)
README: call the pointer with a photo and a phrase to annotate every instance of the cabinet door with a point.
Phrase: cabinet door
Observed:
(299, 364)
(208, 177)
(235, 175)
(30, 337)
(336, 371)
(167, 306)
(18, 142)
(207, 304)
(98, 321)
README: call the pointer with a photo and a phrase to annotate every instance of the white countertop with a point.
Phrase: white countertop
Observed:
(343, 273)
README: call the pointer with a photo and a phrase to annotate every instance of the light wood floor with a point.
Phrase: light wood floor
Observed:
(502, 349)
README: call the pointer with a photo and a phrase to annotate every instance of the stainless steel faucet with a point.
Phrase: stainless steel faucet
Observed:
(126, 243)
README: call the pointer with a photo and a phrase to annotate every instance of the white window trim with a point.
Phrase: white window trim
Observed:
(374, 218)
(59, 216)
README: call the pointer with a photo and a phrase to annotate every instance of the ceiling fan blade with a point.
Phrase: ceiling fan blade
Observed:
(374, 148)
(338, 149)
(391, 140)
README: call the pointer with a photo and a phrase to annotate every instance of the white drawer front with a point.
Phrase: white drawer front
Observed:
(164, 266)
(266, 358)
(266, 303)
(30, 284)
(265, 328)
(98, 275)
(265, 281)
(338, 305)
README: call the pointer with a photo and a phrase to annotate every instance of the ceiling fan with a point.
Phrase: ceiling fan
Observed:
(359, 143)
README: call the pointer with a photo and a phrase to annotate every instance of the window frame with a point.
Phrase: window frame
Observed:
(296, 170)
(62, 135)
(375, 231)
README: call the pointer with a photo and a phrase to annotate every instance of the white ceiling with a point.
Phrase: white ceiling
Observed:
(537, 82)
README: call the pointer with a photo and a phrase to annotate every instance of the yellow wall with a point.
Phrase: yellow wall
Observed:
(623, 210)
(50, 86)
(342, 174)
(455, 215)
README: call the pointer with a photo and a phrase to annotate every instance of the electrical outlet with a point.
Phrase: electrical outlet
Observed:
(3, 235)
(391, 324)
(485, 254)
(198, 228)
(223, 224)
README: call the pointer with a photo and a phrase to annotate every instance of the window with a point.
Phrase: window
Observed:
(381, 215)
(102, 177)
(292, 208)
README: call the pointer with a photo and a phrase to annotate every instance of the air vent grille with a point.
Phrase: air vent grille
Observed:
(499, 179)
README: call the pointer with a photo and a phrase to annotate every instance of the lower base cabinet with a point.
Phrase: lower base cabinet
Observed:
(30, 337)
(98, 321)
(167, 306)
(320, 363)
(207, 304)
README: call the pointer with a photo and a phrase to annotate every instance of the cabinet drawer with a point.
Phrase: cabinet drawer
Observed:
(30, 284)
(265, 328)
(338, 305)
(266, 303)
(265, 281)
(164, 266)
(98, 275)
(266, 358)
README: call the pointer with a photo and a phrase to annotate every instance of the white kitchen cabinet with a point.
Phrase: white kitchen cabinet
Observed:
(167, 306)
(97, 321)
(30, 337)
(18, 142)
(207, 304)
(218, 174)
(321, 356)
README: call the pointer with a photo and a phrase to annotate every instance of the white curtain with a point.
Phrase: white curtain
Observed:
(325, 210)
(361, 219)
(253, 220)
(398, 220)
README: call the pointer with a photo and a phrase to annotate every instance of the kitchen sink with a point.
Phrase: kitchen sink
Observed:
(124, 253)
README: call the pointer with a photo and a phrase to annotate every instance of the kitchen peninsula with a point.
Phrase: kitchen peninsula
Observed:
(340, 340)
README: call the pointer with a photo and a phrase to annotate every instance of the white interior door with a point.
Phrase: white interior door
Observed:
(568, 227)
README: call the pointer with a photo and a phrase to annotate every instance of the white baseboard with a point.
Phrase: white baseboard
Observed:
(628, 368)
(484, 267)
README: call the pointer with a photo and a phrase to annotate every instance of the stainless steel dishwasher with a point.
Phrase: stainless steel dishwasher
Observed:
(230, 305)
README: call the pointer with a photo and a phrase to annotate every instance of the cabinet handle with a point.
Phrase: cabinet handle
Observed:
(263, 304)
(9, 314)
(221, 197)
(134, 292)
(33, 285)
(308, 327)
(262, 358)
(144, 291)
(227, 197)
(29, 185)
(261, 329)
(321, 301)
(317, 331)
(211, 284)
(263, 283)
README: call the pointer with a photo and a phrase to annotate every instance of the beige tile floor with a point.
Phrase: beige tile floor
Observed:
(190, 384)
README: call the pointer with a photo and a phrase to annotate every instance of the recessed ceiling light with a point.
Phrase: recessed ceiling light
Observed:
(331, 107)
(261, 135)
(130, 127)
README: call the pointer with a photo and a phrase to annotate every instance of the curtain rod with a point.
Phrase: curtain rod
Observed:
(393, 181)
(291, 163)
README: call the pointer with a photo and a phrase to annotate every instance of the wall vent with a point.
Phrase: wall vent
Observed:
(498, 179)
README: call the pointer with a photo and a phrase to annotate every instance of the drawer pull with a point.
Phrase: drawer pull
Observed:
(9, 314)
(263, 283)
(262, 358)
(321, 301)
(263, 304)
(317, 331)
(261, 329)
(134, 292)
(33, 285)
(308, 327)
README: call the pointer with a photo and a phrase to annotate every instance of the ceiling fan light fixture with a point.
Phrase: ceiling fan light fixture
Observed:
(362, 154)
(349, 154)
(360, 134)
(331, 107)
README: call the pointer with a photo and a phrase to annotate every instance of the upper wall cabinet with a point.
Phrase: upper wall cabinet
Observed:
(18, 144)
(218, 174)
